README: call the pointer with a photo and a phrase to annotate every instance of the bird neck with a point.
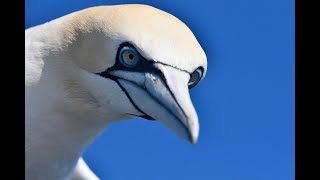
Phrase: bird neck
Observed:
(58, 105)
(68, 132)
(55, 140)
(61, 117)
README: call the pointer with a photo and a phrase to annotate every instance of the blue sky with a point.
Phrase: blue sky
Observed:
(245, 103)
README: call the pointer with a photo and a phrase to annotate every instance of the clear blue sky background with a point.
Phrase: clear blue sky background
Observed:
(245, 103)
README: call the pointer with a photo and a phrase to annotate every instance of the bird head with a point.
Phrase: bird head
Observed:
(138, 61)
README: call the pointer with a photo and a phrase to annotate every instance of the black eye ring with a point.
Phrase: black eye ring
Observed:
(195, 77)
(129, 56)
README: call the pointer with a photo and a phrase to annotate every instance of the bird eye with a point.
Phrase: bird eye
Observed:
(129, 56)
(195, 78)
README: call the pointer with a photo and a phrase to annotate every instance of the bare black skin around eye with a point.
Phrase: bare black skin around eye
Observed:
(195, 77)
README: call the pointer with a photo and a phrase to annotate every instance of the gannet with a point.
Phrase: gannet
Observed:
(101, 65)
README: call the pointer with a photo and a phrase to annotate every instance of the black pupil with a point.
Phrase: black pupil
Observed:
(131, 56)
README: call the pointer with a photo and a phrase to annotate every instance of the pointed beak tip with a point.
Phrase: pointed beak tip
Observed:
(193, 137)
(193, 141)
(194, 130)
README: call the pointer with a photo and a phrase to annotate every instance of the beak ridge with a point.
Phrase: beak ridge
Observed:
(171, 90)
(163, 94)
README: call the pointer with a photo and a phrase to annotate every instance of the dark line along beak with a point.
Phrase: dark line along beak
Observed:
(163, 94)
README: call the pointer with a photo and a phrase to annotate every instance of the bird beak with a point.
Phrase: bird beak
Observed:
(162, 93)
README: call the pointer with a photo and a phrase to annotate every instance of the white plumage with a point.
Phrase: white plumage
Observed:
(78, 81)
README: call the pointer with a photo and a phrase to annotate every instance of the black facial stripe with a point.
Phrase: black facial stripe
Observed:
(155, 71)
(174, 67)
(174, 98)
(107, 75)
(144, 116)
(165, 107)
(162, 105)
(132, 102)
(143, 66)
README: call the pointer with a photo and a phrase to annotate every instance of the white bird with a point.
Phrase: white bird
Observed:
(100, 65)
